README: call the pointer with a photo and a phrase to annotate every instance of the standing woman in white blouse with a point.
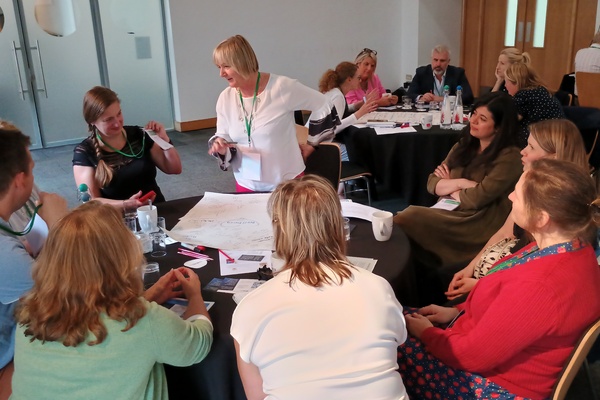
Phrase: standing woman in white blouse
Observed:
(256, 132)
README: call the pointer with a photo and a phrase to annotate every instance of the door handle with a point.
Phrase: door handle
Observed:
(39, 54)
(528, 32)
(22, 90)
(520, 31)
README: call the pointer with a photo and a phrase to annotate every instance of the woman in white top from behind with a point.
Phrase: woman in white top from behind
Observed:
(321, 328)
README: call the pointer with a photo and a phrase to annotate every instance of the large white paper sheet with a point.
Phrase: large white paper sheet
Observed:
(227, 221)
(357, 210)
(413, 118)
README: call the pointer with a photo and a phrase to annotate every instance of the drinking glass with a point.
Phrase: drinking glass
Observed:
(151, 274)
(159, 247)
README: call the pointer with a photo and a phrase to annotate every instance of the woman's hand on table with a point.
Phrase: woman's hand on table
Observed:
(387, 101)
(459, 287)
(369, 106)
(219, 146)
(190, 284)
(416, 324)
(438, 314)
(166, 288)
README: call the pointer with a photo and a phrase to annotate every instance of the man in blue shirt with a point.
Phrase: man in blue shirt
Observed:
(16, 186)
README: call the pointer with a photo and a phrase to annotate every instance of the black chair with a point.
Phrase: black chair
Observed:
(352, 171)
(325, 161)
(587, 120)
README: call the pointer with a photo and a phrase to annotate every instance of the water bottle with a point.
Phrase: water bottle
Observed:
(446, 118)
(83, 193)
(457, 116)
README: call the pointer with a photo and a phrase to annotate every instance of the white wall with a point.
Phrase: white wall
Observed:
(302, 40)
(439, 23)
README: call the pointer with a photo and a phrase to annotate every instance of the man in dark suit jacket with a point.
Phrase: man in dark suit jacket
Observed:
(429, 81)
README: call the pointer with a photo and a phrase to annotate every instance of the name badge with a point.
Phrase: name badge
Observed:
(251, 165)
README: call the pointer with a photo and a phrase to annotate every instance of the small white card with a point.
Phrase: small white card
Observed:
(158, 140)
(446, 203)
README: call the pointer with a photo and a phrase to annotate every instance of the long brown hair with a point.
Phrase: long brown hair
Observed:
(95, 103)
(309, 230)
(334, 78)
(89, 265)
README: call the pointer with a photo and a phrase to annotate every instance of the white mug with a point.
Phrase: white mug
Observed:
(383, 222)
(427, 121)
(148, 218)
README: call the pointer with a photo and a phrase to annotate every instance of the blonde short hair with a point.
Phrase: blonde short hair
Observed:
(309, 230)
(90, 265)
(238, 54)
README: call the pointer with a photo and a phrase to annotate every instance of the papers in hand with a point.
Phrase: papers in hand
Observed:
(158, 140)
(446, 203)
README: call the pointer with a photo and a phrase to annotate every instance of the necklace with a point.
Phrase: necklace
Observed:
(249, 119)
(29, 226)
(139, 154)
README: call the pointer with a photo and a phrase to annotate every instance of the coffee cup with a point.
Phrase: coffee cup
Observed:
(148, 218)
(383, 222)
(427, 121)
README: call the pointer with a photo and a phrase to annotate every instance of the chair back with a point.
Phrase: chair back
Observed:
(574, 362)
(326, 161)
(587, 89)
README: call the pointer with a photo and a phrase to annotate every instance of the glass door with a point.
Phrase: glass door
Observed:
(16, 98)
(136, 59)
(60, 37)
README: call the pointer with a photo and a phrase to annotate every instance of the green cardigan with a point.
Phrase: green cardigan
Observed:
(126, 365)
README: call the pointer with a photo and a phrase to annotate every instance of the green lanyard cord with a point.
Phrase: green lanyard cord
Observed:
(131, 155)
(247, 120)
(29, 226)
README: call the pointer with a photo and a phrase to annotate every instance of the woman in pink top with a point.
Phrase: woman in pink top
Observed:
(366, 61)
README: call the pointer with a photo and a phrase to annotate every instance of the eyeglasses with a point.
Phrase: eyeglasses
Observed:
(367, 51)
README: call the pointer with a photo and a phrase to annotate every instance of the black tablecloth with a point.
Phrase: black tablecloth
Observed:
(401, 162)
(216, 377)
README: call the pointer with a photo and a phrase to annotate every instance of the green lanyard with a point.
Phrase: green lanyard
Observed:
(139, 153)
(247, 120)
(29, 226)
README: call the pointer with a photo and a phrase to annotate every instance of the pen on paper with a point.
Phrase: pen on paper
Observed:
(230, 260)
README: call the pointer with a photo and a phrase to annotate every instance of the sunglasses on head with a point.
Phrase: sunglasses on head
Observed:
(367, 51)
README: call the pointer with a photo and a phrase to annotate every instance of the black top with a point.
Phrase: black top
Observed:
(423, 82)
(130, 174)
(535, 105)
